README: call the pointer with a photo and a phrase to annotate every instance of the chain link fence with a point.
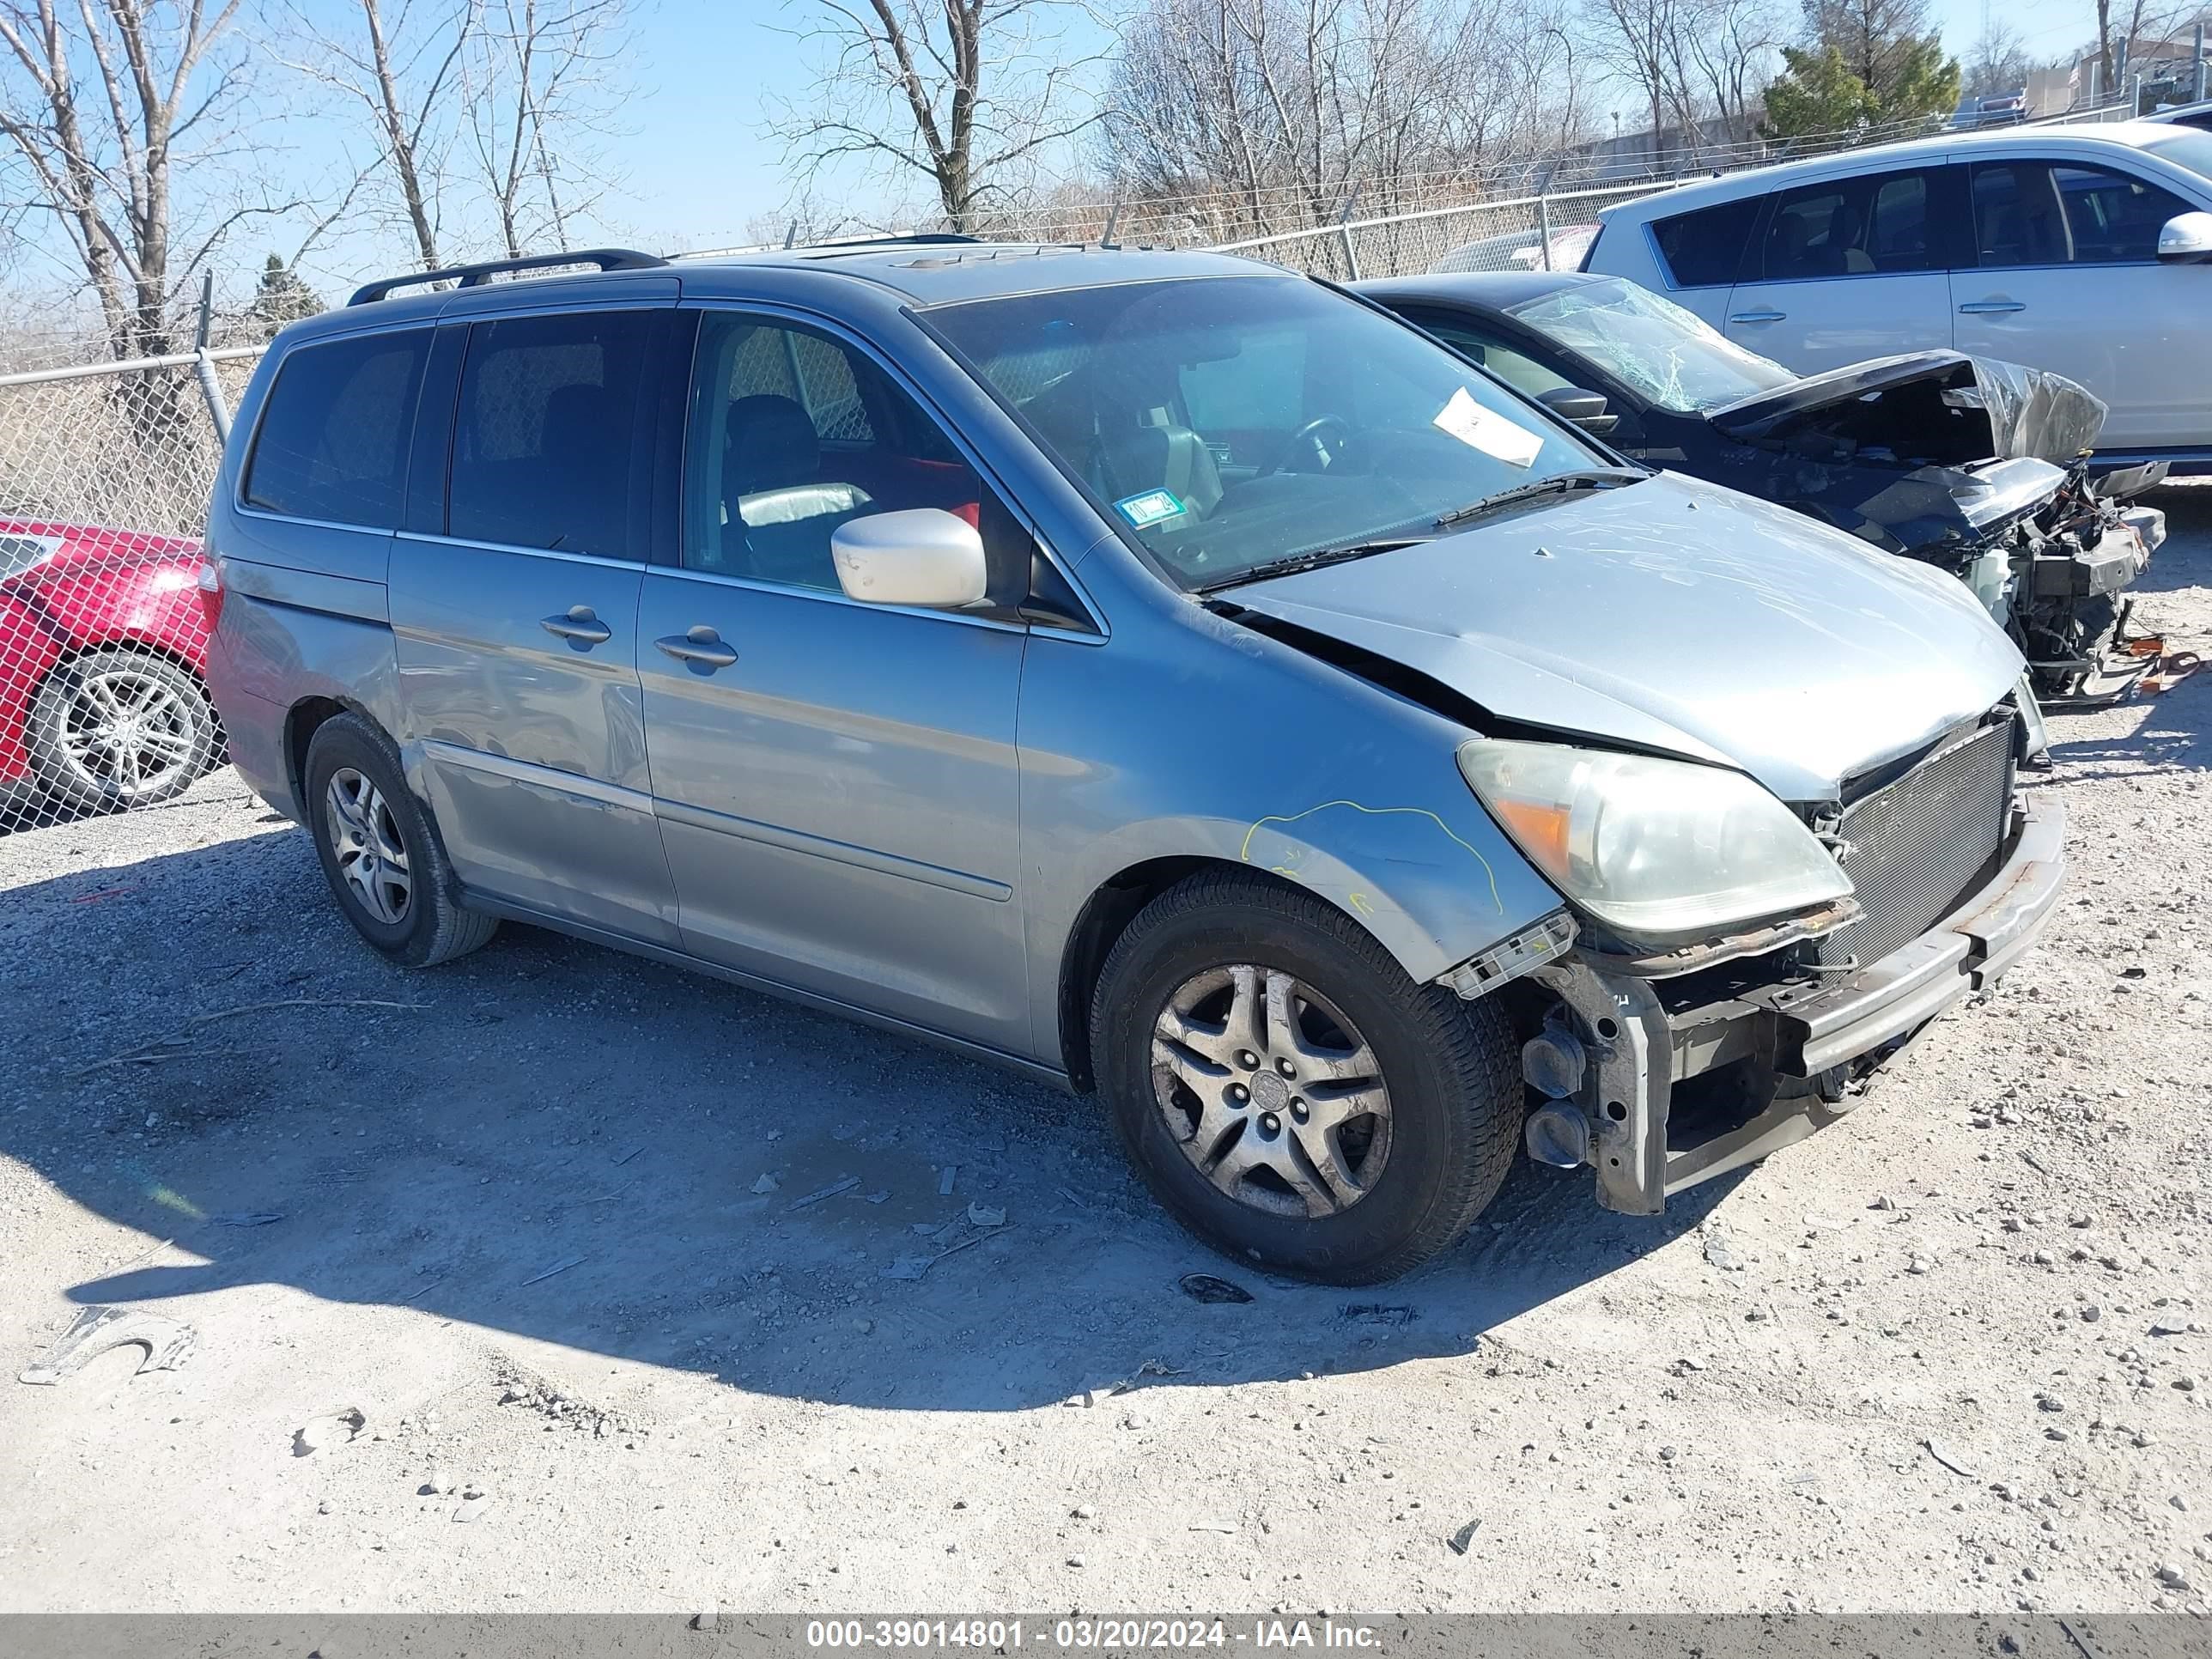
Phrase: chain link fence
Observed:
(105, 471)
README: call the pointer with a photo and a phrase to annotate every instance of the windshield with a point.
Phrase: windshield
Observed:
(2185, 147)
(1228, 422)
(1668, 356)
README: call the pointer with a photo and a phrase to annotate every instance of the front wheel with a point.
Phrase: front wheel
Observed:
(1289, 1093)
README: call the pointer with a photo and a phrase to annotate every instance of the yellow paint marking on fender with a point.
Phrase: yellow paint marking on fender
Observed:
(1489, 874)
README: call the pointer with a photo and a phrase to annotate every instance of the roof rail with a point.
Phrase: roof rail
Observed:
(914, 239)
(606, 259)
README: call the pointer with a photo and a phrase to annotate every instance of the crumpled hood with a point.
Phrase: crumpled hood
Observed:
(1942, 407)
(1674, 616)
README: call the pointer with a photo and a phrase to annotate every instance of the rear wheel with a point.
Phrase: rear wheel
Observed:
(1291, 1095)
(380, 851)
(120, 728)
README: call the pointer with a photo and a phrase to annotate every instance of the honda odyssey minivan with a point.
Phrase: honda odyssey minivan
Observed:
(1161, 673)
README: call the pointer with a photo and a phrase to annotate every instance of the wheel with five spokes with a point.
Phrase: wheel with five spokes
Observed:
(1289, 1092)
(381, 850)
(120, 728)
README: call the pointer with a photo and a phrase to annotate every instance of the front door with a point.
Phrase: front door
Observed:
(2065, 277)
(1846, 270)
(515, 616)
(836, 782)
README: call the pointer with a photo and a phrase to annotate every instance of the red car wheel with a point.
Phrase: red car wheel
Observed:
(120, 728)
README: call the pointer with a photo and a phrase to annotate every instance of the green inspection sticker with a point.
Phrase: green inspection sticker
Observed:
(1149, 508)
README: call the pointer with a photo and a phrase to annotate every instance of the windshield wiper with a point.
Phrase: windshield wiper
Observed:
(1298, 562)
(1559, 483)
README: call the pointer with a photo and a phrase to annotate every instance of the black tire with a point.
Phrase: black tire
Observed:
(1449, 1068)
(432, 925)
(108, 777)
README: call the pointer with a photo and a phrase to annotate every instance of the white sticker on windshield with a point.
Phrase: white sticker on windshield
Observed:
(1493, 435)
(1152, 508)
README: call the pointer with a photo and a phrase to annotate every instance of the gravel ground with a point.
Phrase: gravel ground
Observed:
(547, 1221)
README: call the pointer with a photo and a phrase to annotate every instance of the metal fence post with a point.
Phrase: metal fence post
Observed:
(2197, 62)
(204, 365)
(1544, 228)
(1344, 235)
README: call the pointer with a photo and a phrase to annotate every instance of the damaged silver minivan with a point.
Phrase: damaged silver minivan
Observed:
(1161, 673)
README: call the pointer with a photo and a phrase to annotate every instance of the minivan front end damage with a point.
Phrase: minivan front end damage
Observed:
(1663, 1068)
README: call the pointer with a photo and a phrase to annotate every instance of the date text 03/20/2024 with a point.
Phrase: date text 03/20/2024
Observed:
(1089, 1634)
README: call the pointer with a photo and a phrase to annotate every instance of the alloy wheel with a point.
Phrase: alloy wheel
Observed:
(1271, 1091)
(128, 732)
(371, 856)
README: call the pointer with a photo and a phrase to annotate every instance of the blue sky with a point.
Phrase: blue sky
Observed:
(699, 169)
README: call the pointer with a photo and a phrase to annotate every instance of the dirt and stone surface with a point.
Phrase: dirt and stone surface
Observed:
(554, 1280)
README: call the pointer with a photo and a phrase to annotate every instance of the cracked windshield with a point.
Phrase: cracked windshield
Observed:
(1670, 355)
(1229, 423)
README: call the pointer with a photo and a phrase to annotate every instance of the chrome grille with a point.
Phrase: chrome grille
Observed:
(1918, 843)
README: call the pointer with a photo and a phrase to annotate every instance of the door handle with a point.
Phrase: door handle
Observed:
(580, 625)
(1760, 317)
(701, 647)
(1990, 307)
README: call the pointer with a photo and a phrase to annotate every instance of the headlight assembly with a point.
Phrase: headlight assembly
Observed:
(1652, 848)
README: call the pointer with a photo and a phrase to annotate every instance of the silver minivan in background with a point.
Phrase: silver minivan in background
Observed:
(1161, 673)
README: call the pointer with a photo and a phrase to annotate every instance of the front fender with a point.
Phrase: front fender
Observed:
(1226, 746)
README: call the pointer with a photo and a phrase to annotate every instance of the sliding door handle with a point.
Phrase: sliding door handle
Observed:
(1990, 307)
(701, 647)
(1768, 316)
(580, 625)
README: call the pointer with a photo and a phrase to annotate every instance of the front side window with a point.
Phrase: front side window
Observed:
(546, 432)
(1704, 249)
(1864, 227)
(332, 442)
(1514, 366)
(792, 434)
(2043, 213)
(1228, 422)
(1669, 357)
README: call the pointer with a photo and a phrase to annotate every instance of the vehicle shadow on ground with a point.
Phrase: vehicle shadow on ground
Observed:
(568, 1144)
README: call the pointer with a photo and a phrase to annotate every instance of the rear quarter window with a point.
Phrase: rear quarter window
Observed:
(1704, 249)
(332, 442)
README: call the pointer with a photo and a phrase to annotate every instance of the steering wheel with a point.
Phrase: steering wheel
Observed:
(1313, 434)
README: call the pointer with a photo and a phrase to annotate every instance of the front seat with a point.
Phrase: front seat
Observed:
(778, 513)
(1137, 453)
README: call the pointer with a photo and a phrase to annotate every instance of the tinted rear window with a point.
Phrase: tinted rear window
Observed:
(546, 432)
(1705, 248)
(333, 441)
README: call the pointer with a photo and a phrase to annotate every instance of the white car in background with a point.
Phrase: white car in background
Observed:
(2078, 249)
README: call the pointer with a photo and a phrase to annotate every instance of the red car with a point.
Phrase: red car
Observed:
(103, 645)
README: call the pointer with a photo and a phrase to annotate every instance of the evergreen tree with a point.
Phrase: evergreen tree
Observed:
(282, 297)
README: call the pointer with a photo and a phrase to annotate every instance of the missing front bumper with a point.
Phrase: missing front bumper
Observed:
(1641, 1047)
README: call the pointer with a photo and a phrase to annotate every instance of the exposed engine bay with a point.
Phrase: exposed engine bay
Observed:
(1984, 470)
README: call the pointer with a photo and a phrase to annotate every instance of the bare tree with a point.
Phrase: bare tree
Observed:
(1997, 63)
(398, 68)
(543, 83)
(103, 109)
(1290, 110)
(965, 97)
(1693, 61)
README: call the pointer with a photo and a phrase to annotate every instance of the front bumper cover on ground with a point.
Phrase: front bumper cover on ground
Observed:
(1640, 1047)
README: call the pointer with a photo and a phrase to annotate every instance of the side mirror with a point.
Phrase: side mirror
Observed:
(922, 555)
(1583, 409)
(2186, 239)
